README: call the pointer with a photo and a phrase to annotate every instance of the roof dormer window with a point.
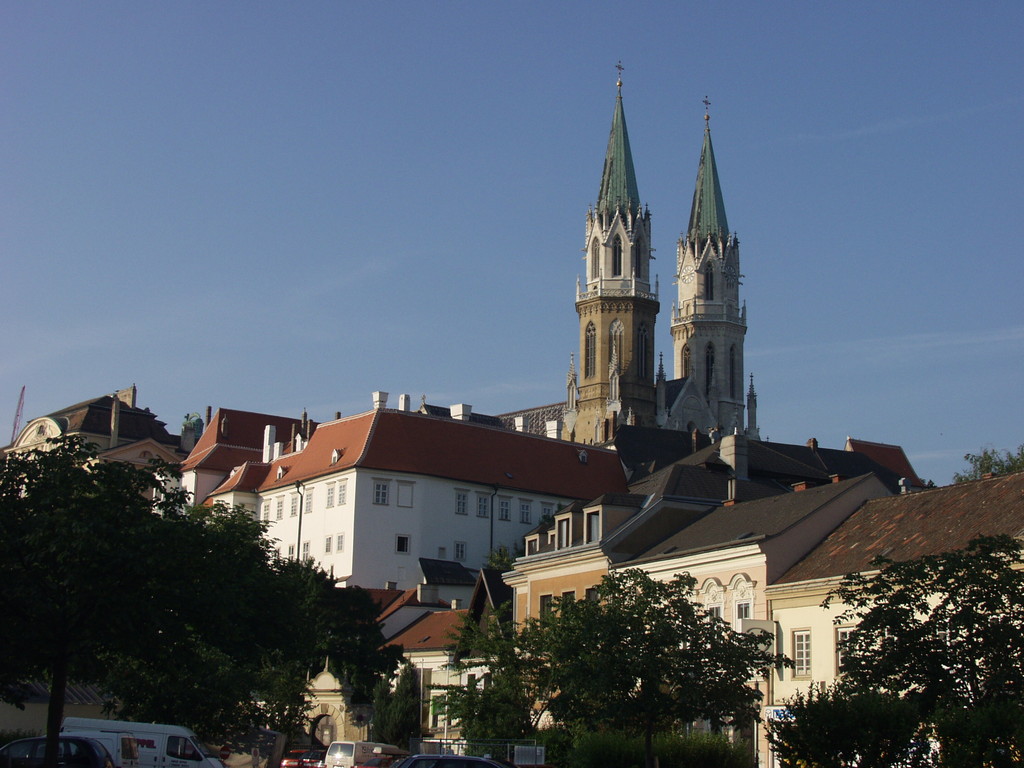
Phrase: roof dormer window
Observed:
(280, 472)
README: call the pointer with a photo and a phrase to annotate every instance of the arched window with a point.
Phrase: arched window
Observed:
(595, 260)
(732, 372)
(709, 368)
(615, 342)
(590, 351)
(641, 352)
(686, 361)
(709, 283)
(617, 257)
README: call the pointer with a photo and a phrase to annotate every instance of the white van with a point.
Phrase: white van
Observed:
(159, 746)
(348, 754)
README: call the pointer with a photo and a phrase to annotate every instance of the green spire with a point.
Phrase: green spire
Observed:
(707, 216)
(618, 182)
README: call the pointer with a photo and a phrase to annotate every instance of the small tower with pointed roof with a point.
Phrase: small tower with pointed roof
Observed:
(616, 304)
(708, 321)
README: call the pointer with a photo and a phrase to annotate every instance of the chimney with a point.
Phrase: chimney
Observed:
(426, 593)
(836, 478)
(456, 604)
(115, 419)
(390, 585)
(380, 401)
(403, 403)
(209, 414)
(553, 428)
(520, 423)
(269, 437)
(461, 411)
(813, 443)
(803, 485)
(337, 415)
(733, 451)
(904, 483)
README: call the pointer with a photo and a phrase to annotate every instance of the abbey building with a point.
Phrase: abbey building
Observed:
(617, 382)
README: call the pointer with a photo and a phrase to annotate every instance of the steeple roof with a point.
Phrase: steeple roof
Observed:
(618, 182)
(707, 216)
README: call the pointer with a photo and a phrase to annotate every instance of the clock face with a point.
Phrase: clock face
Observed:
(730, 274)
(687, 275)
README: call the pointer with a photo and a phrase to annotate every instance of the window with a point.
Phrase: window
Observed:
(686, 361)
(404, 494)
(641, 352)
(744, 610)
(563, 533)
(547, 511)
(291, 550)
(309, 502)
(593, 527)
(280, 508)
(595, 260)
(842, 636)
(327, 544)
(442, 553)
(590, 351)
(570, 595)
(715, 610)
(617, 257)
(461, 503)
(802, 653)
(615, 341)
(545, 604)
(295, 504)
(525, 511)
(709, 283)
(330, 496)
(460, 550)
(339, 542)
(483, 506)
(305, 550)
(266, 510)
(342, 492)
(591, 594)
(709, 368)
(733, 381)
(380, 491)
(504, 508)
(402, 544)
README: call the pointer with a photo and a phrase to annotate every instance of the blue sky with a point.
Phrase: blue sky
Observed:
(274, 206)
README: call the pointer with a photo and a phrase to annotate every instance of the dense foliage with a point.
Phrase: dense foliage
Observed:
(396, 711)
(990, 460)
(697, 750)
(182, 615)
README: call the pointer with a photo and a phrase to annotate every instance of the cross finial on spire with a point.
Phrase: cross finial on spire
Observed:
(620, 68)
(707, 117)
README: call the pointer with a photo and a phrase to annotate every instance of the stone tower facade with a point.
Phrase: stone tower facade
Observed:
(616, 304)
(708, 320)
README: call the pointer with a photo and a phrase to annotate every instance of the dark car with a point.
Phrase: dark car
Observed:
(291, 759)
(72, 752)
(379, 761)
(451, 761)
(314, 758)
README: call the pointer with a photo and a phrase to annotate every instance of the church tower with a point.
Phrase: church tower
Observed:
(708, 321)
(616, 305)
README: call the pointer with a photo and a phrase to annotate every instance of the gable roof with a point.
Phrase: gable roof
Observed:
(683, 480)
(911, 525)
(890, 456)
(233, 437)
(431, 632)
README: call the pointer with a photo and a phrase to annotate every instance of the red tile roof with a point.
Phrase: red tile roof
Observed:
(434, 631)
(910, 525)
(889, 456)
(233, 437)
(408, 599)
(412, 443)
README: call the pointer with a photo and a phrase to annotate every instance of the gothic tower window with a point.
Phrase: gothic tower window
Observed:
(615, 341)
(686, 361)
(641, 352)
(617, 257)
(590, 351)
(709, 368)
(638, 262)
(732, 372)
(595, 260)
(709, 283)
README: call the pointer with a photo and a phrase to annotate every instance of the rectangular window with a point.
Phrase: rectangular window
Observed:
(402, 544)
(330, 496)
(570, 595)
(744, 610)
(545, 604)
(483, 506)
(547, 511)
(342, 492)
(504, 508)
(715, 610)
(266, 510)
(842, 636)
(404, 494)
(460, 550)
(592, 594)
(461, 503)
(525, 511)
(339, 542)
(291, 550)
(380, 491)
(563, 534)
(308, 507)
(295, 504)
(442, 553)
(305, 550)
(280, 508)
(593, 527)
(327, 544)
(802, 653)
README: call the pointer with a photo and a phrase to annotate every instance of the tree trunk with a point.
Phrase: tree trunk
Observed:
(55, 710)
(649, 745)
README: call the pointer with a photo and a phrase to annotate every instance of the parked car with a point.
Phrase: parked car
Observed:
(451, 761)
(73, 752)
(314, 758)
(380, 761)
(293, 758)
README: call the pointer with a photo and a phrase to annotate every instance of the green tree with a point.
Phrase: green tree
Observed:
(396, 711)
(942, 630)
(990, 460)
(644, 657)
(840, 728)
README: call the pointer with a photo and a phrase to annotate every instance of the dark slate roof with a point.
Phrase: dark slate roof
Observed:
(648, 449)
(681, 480)
(491, 591)
(441, 412)
(93, 417)
(750, 520)
(445, 572)
(536, 418)
(911, 525)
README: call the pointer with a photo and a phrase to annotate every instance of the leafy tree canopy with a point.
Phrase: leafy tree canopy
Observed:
(990, 460)
(396, 712)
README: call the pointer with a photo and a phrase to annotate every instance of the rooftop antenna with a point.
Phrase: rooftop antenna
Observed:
(17, 415)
